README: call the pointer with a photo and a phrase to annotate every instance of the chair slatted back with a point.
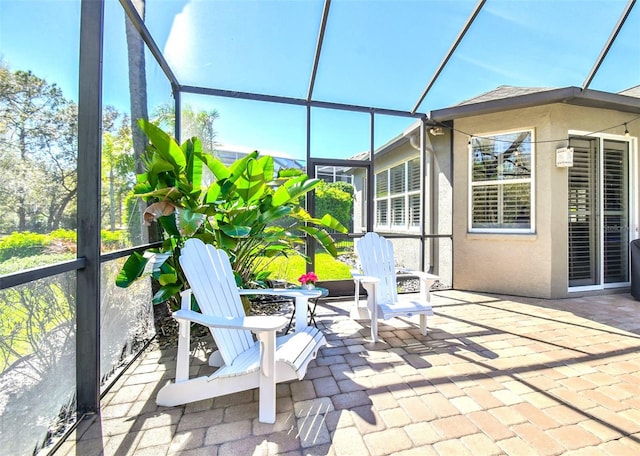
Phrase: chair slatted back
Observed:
(377, 260)
(211, 279)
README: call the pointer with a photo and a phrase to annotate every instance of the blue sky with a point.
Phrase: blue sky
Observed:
(376, 53)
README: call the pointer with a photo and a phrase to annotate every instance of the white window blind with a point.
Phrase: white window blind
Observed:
(397, 179)
(414, 175)
(382, 184)
(501, 182)
(398, 201)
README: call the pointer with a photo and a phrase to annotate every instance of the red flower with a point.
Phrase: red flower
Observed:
(309, 277)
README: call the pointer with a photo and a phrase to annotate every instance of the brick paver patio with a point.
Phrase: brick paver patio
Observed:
(495, 375)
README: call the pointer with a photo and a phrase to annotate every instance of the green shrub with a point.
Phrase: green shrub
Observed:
(113, 240)
(21, 245)
(344, 186)
(336, 198)
(64, 235)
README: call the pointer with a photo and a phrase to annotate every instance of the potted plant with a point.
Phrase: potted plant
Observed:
(243, 209)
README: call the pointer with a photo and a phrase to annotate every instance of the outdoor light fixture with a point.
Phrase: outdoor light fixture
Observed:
(436, 131)
(626, 130)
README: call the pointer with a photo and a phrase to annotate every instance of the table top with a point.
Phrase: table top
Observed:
(324, 292)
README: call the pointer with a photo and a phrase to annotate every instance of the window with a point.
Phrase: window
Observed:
(398, 203)
(502, 182)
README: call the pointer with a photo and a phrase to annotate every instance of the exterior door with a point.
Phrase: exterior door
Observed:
(598, 213)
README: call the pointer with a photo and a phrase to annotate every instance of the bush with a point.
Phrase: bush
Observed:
(336, 198)
(21, 245)
(113, 240)
(64, 235)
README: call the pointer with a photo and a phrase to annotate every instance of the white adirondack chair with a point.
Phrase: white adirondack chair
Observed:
(244, 362)
(379, 279)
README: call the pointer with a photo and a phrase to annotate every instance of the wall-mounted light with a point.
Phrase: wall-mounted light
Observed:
(626, 130)
(436, 131)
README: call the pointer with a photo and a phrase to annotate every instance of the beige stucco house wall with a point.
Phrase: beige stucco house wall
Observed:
(438, 199)
(533, 264)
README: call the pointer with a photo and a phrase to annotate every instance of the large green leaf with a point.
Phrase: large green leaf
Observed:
(273, 214)
(331, 222)
(266, 161)
(212, 193)
(189, 191)
(235, 231)
(164, 144)
(142, 188)
(289, 172)
(157, 166)
(293, 189)
(299, 186)
(168, 279)
(238, 167)
(192, 149)
(322, 237)
(168, 223)
(131, 270)
(188, 221)
(252, 183)
(219, 170)
(166, 292)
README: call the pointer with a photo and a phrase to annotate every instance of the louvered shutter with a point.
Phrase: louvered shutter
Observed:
(582, 220)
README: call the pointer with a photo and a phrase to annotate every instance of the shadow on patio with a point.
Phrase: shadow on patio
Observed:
(495, 375)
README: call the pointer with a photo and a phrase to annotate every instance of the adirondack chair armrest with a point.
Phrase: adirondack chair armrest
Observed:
(426, 280)
(366, 279)
(368, 282)
(288, 292)
(257, 323)
(419, 274)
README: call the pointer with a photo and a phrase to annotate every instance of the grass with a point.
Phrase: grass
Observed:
(327, 268)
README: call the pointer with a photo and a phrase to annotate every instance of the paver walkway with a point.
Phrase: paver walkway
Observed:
(495, 375)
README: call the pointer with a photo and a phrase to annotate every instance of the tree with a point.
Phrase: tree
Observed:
(118, 164)
(200, 124)
(38, 144)
(138, 100)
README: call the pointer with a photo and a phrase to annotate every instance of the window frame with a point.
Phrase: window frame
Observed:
(502, 182)
(405, 195)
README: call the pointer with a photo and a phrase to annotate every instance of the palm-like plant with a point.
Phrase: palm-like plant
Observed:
(244, 209)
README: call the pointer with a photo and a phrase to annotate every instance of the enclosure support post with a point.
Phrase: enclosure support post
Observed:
(89, 151)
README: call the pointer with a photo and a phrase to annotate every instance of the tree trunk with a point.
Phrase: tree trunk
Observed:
(59, 212)
(138, 98)
(112, 200)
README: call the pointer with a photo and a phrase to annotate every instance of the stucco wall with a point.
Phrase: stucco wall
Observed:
(438, 255)
(530, 264)
(441, 195)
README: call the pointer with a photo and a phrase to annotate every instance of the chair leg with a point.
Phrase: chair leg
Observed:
(423, 324)
(183, 355)
(374, 329)
(267, 388)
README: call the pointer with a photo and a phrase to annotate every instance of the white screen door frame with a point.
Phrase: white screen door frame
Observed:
(602, 210)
